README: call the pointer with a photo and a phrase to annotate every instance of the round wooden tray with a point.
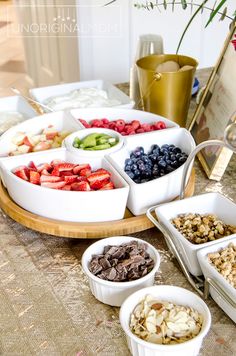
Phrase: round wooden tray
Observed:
(130, 223)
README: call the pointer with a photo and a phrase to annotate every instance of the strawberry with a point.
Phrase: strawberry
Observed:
(135, 124)
(85, 123)
(45, 172)
(43, 166)
(80, 186)
(50, 178)
(23, 174)
(62, 167)
(81, 179)
(98, 184)
(34, 177)
(108, 186)
(32, 166)
(55, 162)
(79, 167)
(56, 185)
(66, 187)
(102, 170)
(66, 174)
(85, 172)
(98, 179)
(70, 179)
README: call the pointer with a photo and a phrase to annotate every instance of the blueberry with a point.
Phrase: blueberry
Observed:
(182, 159)
(138, 151)
(162, 164)
(178, 155)
(128, 162)
(139, 161)
(163, 151)
(144, 180)
(176, 150)
(146, 159)
(168, 161)
(142, 167)
(169, 169)
(165, 146)
(127, 168)
(147, 174)
(130, 174)
(137, 180)
(136, 173)
(154, 147)
(156, 151)
(162, 173)
(175, 164)
(153, 157)
(173, 157)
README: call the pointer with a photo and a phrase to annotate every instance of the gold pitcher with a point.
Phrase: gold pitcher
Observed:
(167, 94)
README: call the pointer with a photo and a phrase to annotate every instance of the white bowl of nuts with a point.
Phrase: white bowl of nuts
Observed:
(198, 222)
(164, 320)
(218, 262)
(118, 266)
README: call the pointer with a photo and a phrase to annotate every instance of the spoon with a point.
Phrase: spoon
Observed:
(16, 91)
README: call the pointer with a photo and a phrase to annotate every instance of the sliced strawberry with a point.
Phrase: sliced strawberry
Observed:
(32, 166)
(98, 184)
(28, 142)
(78, 167)
(80, 186)
(102, 170)
(50, 178)
(81, 179)
(42, 146)
(55, 162)
(85, 172)
(85, 123)
(43, 166)
(22, 174)
(135, 124)
(108, 186)
(66, 187)
(56, 185)
(98, 176)
(34, 177)
(20, 168)
(66, 174)
(45, 172)
(62, 167)
(70, 179)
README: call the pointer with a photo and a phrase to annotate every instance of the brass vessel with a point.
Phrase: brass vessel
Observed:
(167, 94)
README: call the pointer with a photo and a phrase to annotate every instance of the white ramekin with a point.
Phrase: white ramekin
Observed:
(114, 293)
(177, 295)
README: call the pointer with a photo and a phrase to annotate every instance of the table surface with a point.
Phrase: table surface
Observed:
(46, 307)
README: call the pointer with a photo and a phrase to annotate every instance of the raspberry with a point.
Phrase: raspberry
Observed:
(160, 125)
(135, 124)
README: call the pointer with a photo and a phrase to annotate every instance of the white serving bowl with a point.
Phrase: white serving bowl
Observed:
(210, 271)
(75, 206)
(44, 93)
(210, 203)
(177, 295)
(159, 190)
(18, 104)
(92, 155)
(113, 114)
(60, 120)
(114, 293)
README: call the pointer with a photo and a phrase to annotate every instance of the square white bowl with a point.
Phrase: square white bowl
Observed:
(210, 271)
(60, 120)
(158, 190)
(18, 104)
(76, 206)
(44, 93)
(210, 203)
(113, 114)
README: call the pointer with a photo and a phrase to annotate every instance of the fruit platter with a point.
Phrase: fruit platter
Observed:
(91, 172)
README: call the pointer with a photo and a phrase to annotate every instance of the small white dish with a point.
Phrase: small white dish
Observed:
(158, 190)
(16, 104)
(114, 293)
(92, 155)
(44, 93)
(210, 271)
(113, 114)
(74, 206)
(60, 120)
(210, 203)
(177, 295)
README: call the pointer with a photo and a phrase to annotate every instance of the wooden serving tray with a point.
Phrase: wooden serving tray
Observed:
(130, 223)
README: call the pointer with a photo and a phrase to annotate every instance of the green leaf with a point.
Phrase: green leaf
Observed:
(224, 13)
(184, 4)
(215, 12)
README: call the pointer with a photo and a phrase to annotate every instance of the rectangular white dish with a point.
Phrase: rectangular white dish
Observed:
(159, 190)
(60, 120)
(74, 206)
(210, 203)
(43, 93)
(18, 104)
(113, 114)
(210, 271)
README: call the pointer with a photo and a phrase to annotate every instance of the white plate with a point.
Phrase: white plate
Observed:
(75, 206)
(60, 120)
(159, 190)
(43, 93)
(210, 203)
(210, 271)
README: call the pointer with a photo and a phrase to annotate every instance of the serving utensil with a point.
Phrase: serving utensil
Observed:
(16, 91)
